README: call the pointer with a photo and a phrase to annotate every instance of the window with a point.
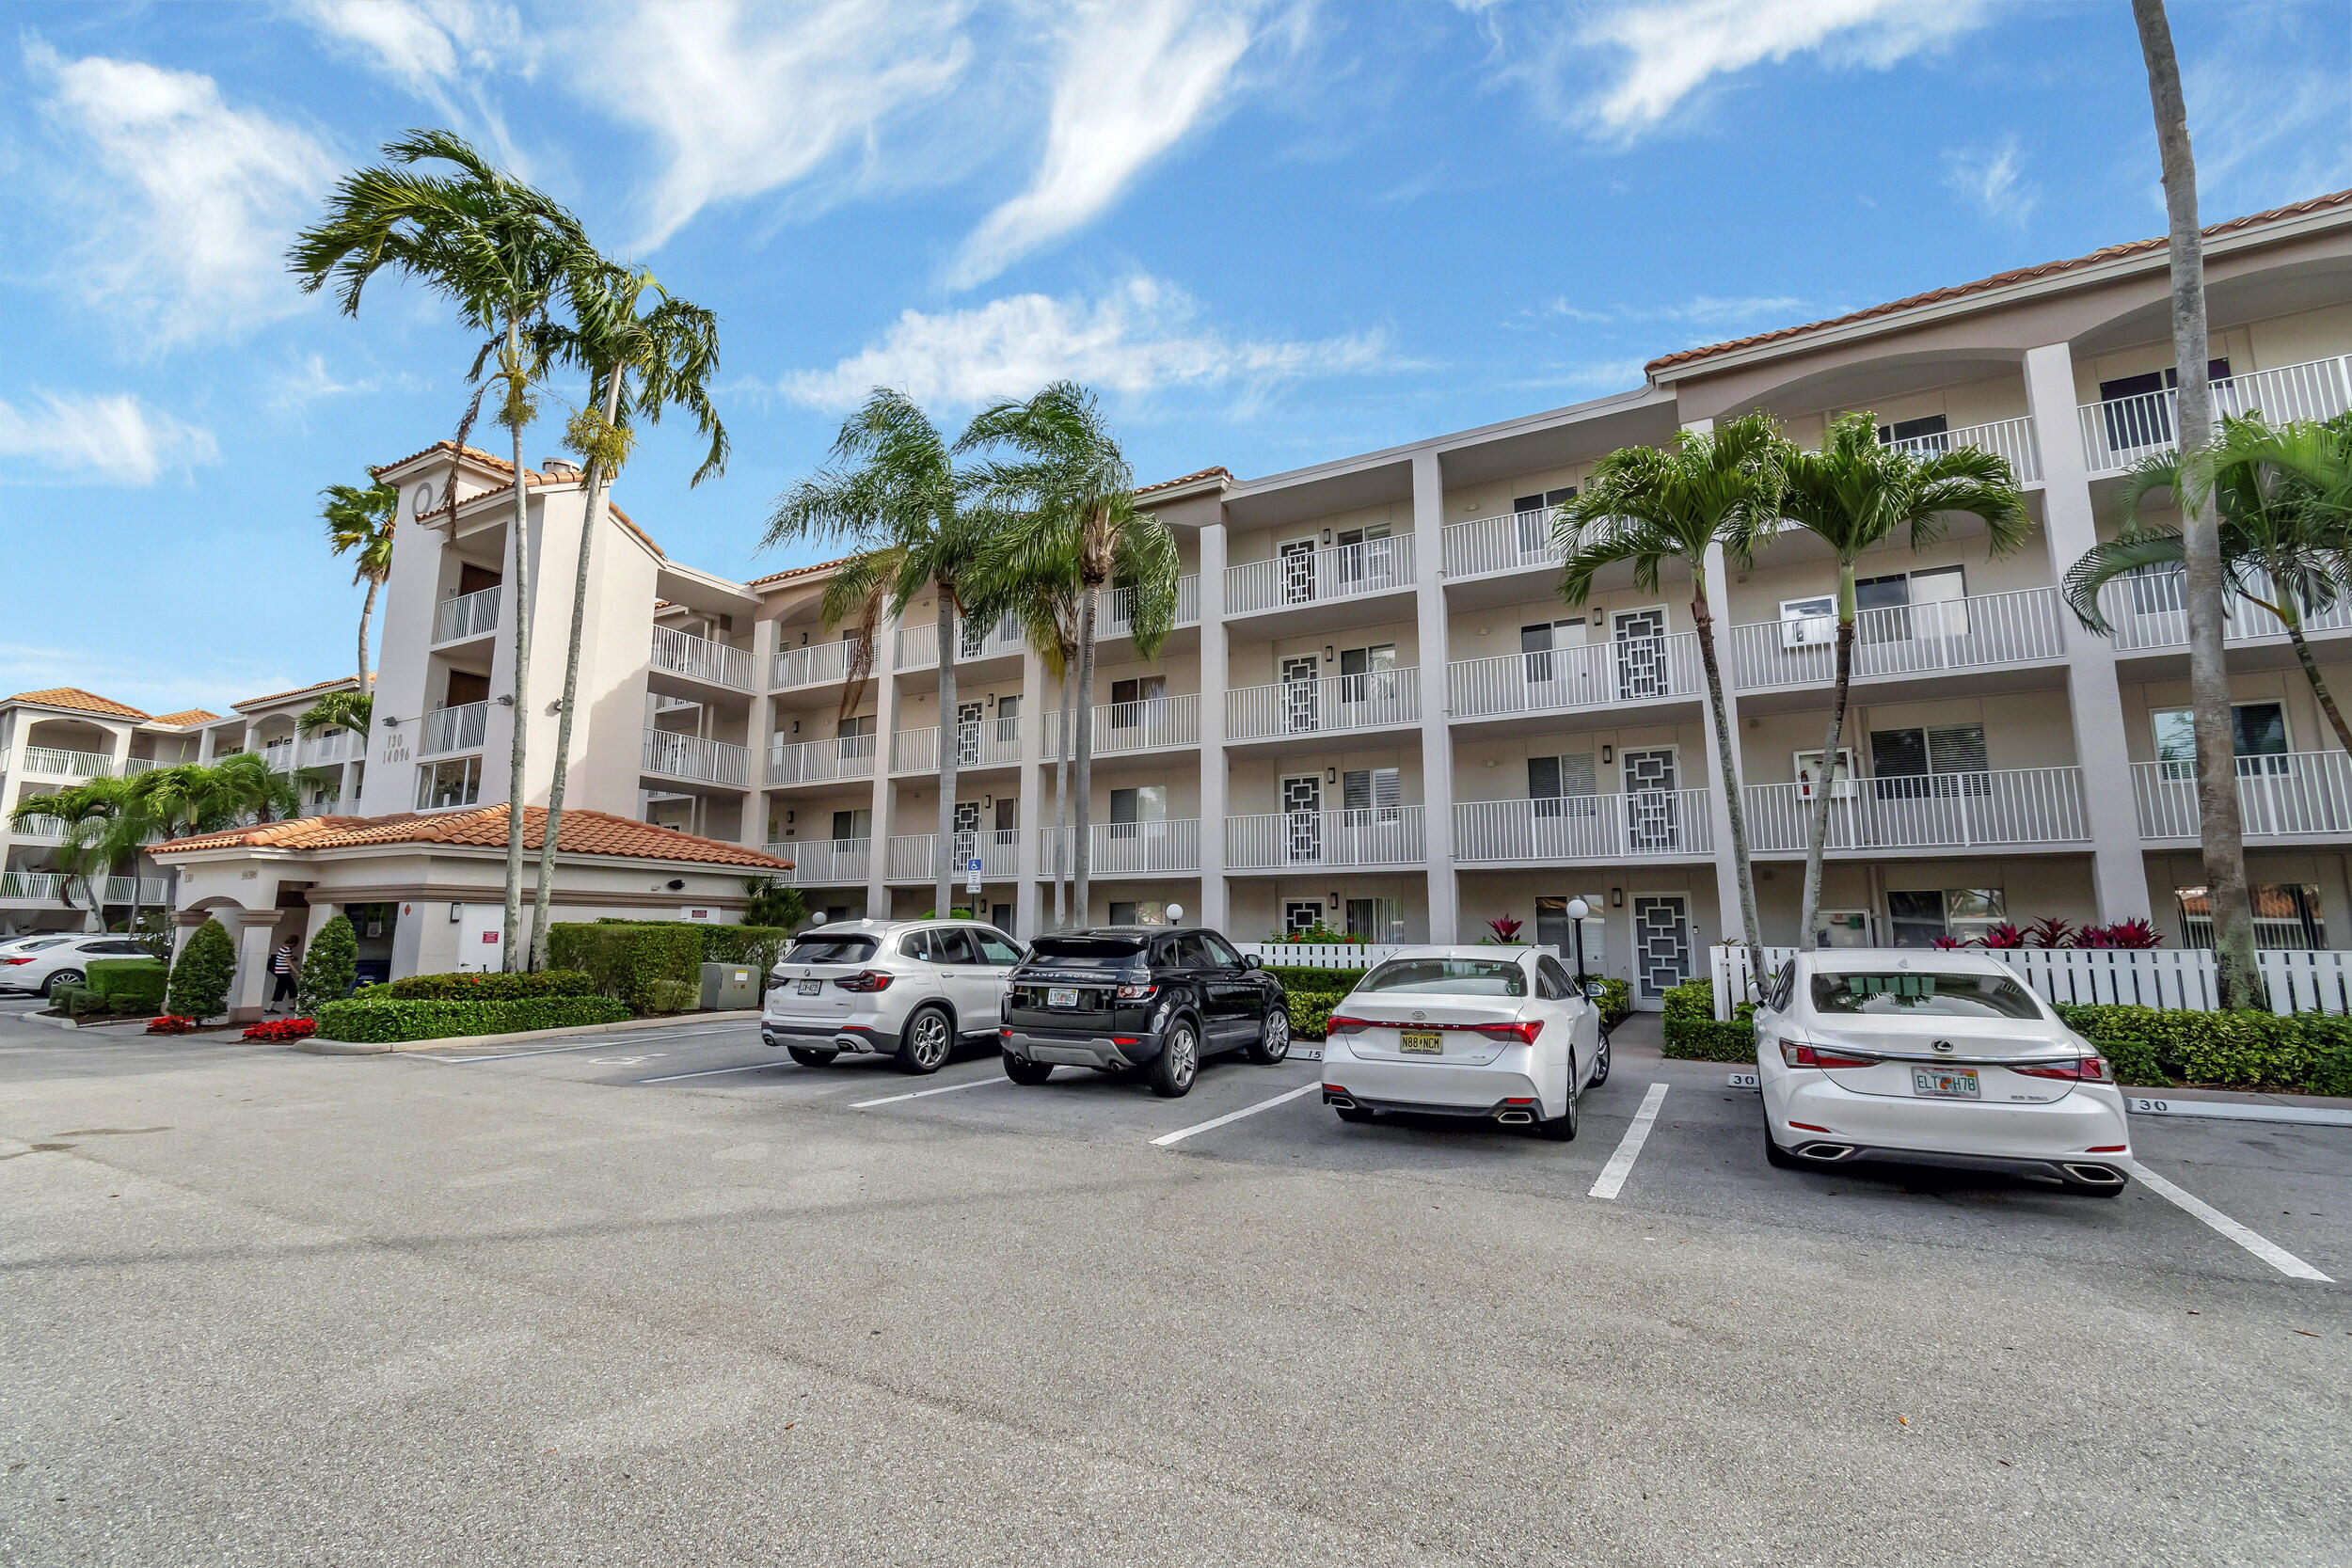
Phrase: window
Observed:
(2286, 917)
(1376, 919)
(1088, 952)
(1918, 918)
(1808, 622)
(1555, 930)
(443, 785)
(1924, 995)
(1461, 976)
(1127, 696)
(1909, 605)
(1563, 786)
(1534, 516)
(858, 824)
(1190, 952)
(1541, 643)
(1375, 790)
(1132, 808)
(862, 724)
(830, 950)
(2258, 734)
(1221, 953)
(1552, 980)
(1143, 911)
(2137, 413)
(1302, 915)
(1368, 675)
(1940, 760)
(997, 947)
(1921, 432)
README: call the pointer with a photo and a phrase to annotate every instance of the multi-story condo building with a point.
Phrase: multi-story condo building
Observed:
(1376, 713)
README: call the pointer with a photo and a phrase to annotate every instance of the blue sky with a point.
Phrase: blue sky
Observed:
(1269, 234)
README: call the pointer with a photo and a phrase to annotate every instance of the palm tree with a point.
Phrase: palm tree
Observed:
(2236, 969)
(105, 820)
(499, 251)
(892, 496)
(1854, 493)
(1068, 501)
(2284, 546)
(1647, 506)
(674, 351)
(339, 710)
(359, 523)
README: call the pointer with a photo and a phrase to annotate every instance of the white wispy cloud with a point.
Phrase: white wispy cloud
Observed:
(1132, 79)
(112, 439)
(1139, 337)
(445, 52)
(1699, 310)
(2265, 113)
(185, 205)
(1994, 179)
(307, 380)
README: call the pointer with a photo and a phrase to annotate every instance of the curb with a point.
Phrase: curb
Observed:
(316, 1047)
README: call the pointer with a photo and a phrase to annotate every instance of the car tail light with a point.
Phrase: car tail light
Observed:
(1524, 1031)
(1796, 1053)
(866, 980)
(2075, 1069)
(1339, 1023)
(1136, 992)
(15, 961)
(2100, 1148)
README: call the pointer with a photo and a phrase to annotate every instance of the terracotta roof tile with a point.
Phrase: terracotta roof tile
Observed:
(1218, 472)
(79, 700)
(186, 716)
(302, 691)
(500, 464)
(1983, 285)
(791, 571)
(584, 832)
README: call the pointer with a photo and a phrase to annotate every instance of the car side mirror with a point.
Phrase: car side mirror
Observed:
(1595, 990)
(1249, 960)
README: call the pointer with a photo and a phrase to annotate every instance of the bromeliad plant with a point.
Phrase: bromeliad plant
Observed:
(1506, 928)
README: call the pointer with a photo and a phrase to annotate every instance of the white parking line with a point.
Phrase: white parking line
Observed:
(1182, 1133)
(2226, 1110)
(611, 1043)
(1620, 1164)
(706, 1072)
(2269, 1252)
(944, 1088)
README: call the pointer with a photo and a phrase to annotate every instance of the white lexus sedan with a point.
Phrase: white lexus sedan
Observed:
(1494, 1033)
(1932, 1059)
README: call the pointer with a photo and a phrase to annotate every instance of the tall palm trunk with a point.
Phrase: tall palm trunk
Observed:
(367, 612)
(592, 523)
(2287, 610)
(512, 927)
(950, 742)
(1703, 618)
(1825, 786)
(1061, 808)
(2236, 966)
(1081, 847)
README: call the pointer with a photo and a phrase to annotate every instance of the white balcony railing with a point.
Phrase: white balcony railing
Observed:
(2299, 794)
(329, 748)
(699, 658)
(1328, 705)
(57, 763)
(466, 615)
(2016, 808)
(134, 766)
(1125, 849)
(691, 757)
(1513, 542)
(1642, 823)
(918, 643)
(998, 849)
(1120, 727)
(1305, 576)
(46, 887)
(2149, 610)
(814, 665)
(1598, 674)
(824, 861)
(1975, 633)
(42, 827)
(454, 729)
(148, 890)
(987, 743)
(278, 756)
(1374, 836)
(2120, 432)
(2012, 440)
(848, 756)
(1115, 615)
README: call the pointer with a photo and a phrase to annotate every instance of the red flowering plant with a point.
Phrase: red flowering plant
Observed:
(1506, 928)
(1952, 944)
(2004, 935)
(282, 1029)
(170, 1023)
(2050, 931)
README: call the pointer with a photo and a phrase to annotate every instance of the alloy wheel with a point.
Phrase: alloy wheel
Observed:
(930, 1040)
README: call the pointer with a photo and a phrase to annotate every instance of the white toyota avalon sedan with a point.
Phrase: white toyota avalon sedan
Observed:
(1485, 1032)
(1933, 1058)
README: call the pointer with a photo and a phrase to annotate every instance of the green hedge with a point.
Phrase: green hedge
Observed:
(1310, 1011)
(478, 987)
(1617, 1000)
(128, 985)
(757, 945)
(1305, 978)
(2305, 1053)
(648, 966)
(1691, 1031)
(385, 1022)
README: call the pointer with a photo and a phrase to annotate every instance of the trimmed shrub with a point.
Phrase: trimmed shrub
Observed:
(76, 1001)
(1616, 999)
(387, 1021)
(331, 968)
(1305, 977)
(128, 985)
(755, 945)
(2305, 1053)
(1691, 1031)
(648, 966)
(199, 981)
(1310, 1012)
(477, 986)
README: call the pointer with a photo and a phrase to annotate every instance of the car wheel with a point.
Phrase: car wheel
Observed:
(1775, 1156)
(923, 1045)
(1354, 1112)
(1274, 1042)
(1562, 1128)
(1172, 1070)
(63, 977)
(808, 1055)
(1021, 1071)
(1600, 1066)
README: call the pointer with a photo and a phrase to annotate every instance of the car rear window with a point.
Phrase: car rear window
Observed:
(1088, 952)
(1928, 994)
(1460, 977)
(831, 950)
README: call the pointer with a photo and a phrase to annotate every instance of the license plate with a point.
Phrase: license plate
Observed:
(1061, 996)
(1421, 1042)
(812, 987)
(1947, 1085)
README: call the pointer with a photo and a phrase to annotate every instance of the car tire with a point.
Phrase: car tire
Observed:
(1172, 1070)
(1274, 1038)
(1562, 1128)
(1775, 1156)
(63, 977)
(1354, 1112)
(1600, 1066)
(927, 1041)
(1021, 1071)
(808, 1055)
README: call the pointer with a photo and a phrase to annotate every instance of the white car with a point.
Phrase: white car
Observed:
(1933, 1058)
(41, 964)
(908, 989)
(1495, 1033)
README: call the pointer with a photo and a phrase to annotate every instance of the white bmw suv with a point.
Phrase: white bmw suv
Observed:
(907, 988)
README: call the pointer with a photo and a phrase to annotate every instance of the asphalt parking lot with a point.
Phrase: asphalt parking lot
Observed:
(667, 1296)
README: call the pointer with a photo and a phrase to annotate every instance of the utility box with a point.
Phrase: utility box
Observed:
(727, 987)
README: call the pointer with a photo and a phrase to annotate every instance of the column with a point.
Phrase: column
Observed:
(886, 720)
(255, 932)
(1718, 804)
(1028, 912)
(2118, 863)
(1436, 736)
(755, 733)
(1216, 910)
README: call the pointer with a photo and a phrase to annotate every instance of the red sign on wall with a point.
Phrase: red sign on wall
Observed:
(489, 936)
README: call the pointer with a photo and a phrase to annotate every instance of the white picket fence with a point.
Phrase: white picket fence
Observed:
(2170, 978)
(1319, 955)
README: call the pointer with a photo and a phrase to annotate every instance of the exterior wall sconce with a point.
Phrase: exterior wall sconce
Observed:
(1608, 755)
(1330, 775)
(788, 816)
(1601, 616)
(1327, 536)
(1616, 898)
(456, 914)
(1335, 900)
(1327, 654)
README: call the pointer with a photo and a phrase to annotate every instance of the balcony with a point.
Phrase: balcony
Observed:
(848, 756)
(49, 829)
(2023, 808)
(2026, 626)
(2299, 795)
(988, 743)
(1630, 669)
(134, 766)
(2011, 440)
(1126, 849)
(57, 763)
(454, 729)
(998, 849)
(698, 659)
(824, 861)
(278, 756)
(1115, 614)
(2117, 434)
(1154, 724)
(2149, 610)
(331, 749)
(1304, 576)
(1327, 704)
(1650, 824)
(692, 758)
(918, 645)
(819, 664)
(466, 615)
(143, 889)
(1372, 838)
(32, 887)
(1512, 542)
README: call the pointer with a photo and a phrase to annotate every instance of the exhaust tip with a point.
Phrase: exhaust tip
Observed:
(1342, 1102)
(1515, 1118)
(1825, 1151)
(2095, 1176)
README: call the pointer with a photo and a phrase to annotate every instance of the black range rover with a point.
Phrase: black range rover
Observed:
(1125, 996)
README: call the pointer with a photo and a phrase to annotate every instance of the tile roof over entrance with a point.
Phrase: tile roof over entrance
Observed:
(584, 832)
(81, 700)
